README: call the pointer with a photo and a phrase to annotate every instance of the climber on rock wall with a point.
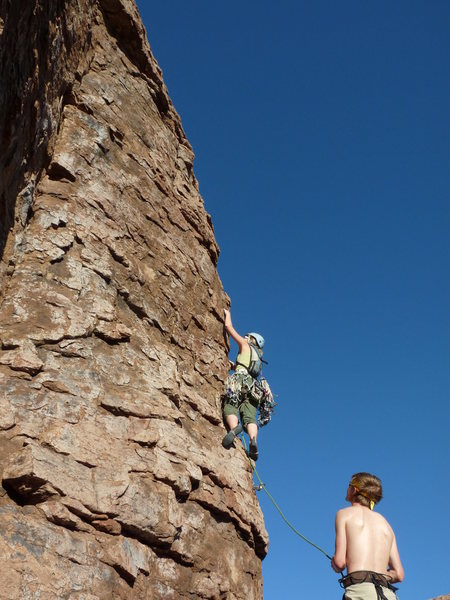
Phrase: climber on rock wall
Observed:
(244, 392)
(365, 544)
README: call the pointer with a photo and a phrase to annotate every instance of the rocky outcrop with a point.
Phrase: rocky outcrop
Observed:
(114, 481)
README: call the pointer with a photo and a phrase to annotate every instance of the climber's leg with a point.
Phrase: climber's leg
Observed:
(231, 414)
(248, 417)
(252, 429)
(229, 438)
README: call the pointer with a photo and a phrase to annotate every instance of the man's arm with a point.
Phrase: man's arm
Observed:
(338, 561)
(240, 341)
(395, 570)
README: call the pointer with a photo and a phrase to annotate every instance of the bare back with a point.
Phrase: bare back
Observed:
(369, 539)
(365, 541)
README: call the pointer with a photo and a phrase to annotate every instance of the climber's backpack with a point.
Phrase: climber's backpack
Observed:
(255, 366)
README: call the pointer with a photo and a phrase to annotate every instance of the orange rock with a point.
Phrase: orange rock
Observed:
(112, 355)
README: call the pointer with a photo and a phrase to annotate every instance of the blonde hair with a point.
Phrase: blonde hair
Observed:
(254, 342)
(368, 489)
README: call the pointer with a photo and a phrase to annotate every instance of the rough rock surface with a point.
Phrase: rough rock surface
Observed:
(114, 481)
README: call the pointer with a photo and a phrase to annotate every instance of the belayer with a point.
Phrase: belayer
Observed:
(365, 544)
(245, 390)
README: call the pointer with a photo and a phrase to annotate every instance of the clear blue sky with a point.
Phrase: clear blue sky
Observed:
(321, 133)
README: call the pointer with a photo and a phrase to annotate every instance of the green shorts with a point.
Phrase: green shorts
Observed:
(247, 412)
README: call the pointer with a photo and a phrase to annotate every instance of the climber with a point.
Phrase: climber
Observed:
(243, 392)
(365, 544)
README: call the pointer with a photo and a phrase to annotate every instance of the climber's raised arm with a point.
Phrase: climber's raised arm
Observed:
(239, 339)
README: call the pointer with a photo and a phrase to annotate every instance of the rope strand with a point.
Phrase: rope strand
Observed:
(263, 487)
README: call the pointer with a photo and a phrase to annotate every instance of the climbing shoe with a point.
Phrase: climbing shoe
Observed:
(228, 440)
(253, 450)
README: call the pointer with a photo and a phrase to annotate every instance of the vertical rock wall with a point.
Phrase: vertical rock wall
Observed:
(114, 481)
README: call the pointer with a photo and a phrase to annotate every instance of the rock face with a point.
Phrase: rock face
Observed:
(114, 481)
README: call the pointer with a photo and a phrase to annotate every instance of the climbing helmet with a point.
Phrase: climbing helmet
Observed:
(258, 339)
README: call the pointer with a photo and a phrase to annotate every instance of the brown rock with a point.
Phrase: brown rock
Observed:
(24, 358)
(112, 355)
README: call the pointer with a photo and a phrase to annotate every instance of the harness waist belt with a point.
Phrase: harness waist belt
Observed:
(378, 580)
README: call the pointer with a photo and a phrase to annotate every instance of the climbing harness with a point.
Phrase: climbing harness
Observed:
(262, 486)
(237, 387)
(240, 386)
(377, 579)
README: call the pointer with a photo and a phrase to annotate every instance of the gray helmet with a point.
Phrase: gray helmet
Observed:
(258, 339)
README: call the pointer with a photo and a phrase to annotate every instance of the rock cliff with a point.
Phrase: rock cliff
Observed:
(114, 481)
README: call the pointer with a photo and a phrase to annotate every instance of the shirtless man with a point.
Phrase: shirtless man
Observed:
(365, 544)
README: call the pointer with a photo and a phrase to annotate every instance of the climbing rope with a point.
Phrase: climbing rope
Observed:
(262, 486)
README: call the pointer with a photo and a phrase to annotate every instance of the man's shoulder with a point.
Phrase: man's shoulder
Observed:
(355, 512)
(344, 513)
(382, 519)
(347, 510)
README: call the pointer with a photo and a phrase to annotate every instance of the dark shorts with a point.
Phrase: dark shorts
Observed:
(247, 412)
